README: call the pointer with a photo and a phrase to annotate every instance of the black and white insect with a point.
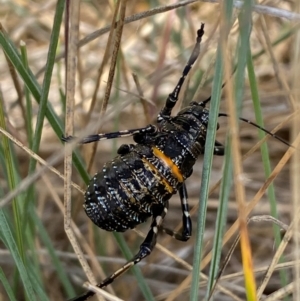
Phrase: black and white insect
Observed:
(138, 183)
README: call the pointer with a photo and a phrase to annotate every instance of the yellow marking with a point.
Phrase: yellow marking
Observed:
(163, 180)
(168, 162)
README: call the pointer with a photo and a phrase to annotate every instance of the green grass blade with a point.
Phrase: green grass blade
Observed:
(12, 180)
(31, 82)
(30, 231)
(27, 97)
(60, 270)
(30, 195)
(221, 219)
(47, 80)
(265, 158)
(207, 163)
(245, 25)
(36, 282)
(208, 156)
(12, 246)
(7, 286)
(226, 182)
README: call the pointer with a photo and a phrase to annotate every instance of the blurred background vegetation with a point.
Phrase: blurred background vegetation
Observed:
(37, 261)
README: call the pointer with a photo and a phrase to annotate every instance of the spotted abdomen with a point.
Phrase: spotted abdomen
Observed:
(131, 188)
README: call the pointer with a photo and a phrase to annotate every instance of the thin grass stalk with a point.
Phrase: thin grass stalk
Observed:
(11, 245)
(13, 178)
(226, 181)
(220, 221)
(38, 284)
(249, 281)
(31, 227)
(245, 24)
(121, 10)
(28, 106)
(35, 89)
(227, 175)
(55, 261)
(115, 99)
(295, 165)
(265, 158)
(45, 91)
(207, 164)
(7, 286)
(14, 57)
(30, 195)
(72, 34)
(103, 64)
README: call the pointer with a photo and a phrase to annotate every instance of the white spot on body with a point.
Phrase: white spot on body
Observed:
(158, 220)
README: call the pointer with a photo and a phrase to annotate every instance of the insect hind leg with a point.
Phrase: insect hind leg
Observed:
(145, 250)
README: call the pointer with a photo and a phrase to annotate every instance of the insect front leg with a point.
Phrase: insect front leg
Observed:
(150, 129)
(186, 219)
(173, 97)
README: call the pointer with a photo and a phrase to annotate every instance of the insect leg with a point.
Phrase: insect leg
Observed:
(145, 249)
(173, 97)
(150, 129)
(219, 149)
(186, 219)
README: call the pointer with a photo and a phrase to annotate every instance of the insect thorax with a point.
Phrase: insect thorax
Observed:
(185, 137)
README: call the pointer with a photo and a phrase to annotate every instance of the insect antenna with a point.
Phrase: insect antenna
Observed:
(261, 128)
(204, 102)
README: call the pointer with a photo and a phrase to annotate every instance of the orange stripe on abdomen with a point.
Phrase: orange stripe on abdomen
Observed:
(169, 163)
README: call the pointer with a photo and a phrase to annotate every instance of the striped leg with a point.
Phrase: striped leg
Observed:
(150, 129)
(173, 97)
(145, 249)
(186, 219)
